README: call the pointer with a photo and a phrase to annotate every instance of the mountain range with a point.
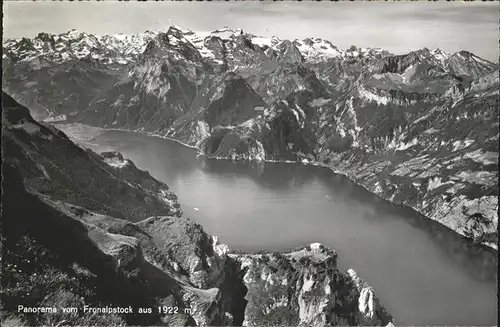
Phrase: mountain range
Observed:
(419, 129)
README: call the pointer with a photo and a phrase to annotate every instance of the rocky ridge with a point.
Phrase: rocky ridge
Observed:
(68, 241)
(321, 297)
(418, 129)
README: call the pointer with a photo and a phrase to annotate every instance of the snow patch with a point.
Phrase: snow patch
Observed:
(317, 49)
(440, 55)
(262, 41)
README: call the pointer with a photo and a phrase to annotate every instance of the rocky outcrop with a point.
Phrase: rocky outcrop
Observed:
(305, 288)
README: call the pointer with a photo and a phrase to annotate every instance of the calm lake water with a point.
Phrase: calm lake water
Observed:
(423, 273)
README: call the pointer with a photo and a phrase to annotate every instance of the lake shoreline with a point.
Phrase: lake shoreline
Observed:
(491, 246)
(307, 163)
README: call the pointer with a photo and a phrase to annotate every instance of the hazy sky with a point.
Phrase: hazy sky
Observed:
(396, 26)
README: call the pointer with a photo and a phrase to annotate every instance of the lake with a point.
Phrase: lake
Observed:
(422, 272)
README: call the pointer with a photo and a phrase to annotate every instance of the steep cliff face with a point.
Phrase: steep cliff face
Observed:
(51, 164)
(82, 229)
(419, 129)
(428, 156)
(305, 288)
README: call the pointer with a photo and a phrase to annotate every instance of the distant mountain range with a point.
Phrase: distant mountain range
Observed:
(419, 129)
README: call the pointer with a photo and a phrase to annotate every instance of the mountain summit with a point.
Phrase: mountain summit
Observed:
(121, 48)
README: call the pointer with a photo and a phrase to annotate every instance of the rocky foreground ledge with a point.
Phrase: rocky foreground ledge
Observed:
(305, 288)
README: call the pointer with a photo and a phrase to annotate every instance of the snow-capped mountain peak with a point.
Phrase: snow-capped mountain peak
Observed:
(221, 45)
(440, 55)
(318, 49)
(122, 48)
